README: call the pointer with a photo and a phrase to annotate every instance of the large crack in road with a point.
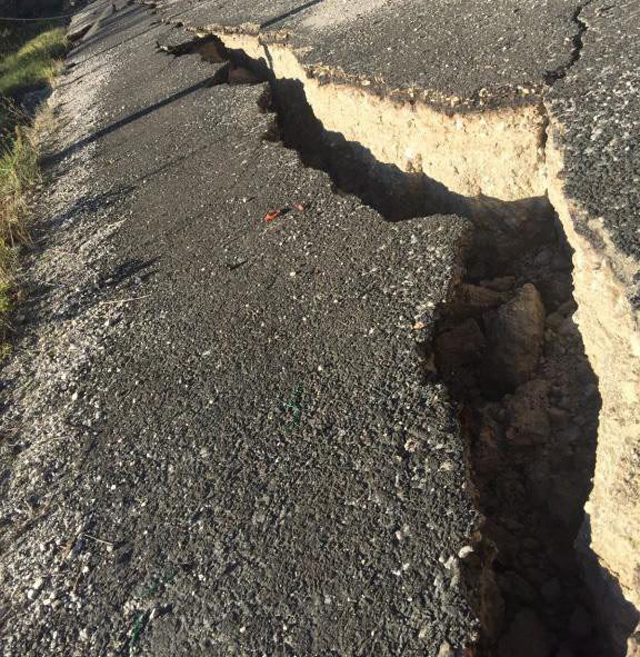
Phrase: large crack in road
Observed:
(506, 345)
(275, 464)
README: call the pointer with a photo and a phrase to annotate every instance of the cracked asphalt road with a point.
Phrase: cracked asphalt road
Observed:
(226, 447)
(581, 59)
(218, 439)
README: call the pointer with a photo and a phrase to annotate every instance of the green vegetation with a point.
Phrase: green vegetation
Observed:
(33, 64)
(28, 59)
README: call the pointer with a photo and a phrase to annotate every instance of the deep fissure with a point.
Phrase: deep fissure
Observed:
(512, 357)
(507, 347)
(524, 577)
(551, 77)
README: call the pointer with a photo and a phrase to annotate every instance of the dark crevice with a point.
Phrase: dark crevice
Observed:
(513, 358)
(551, 77)
(235, 69)
(396, 194)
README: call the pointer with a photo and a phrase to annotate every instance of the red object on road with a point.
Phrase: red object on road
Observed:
(270, 216)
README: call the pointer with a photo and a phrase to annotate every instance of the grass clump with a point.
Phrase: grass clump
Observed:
(33, 64)
(19, 174)
(30, 65)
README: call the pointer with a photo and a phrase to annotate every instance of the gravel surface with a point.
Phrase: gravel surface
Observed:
(217, 439)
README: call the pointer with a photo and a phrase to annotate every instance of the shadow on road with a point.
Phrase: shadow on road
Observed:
(288, 14)
(219, 78)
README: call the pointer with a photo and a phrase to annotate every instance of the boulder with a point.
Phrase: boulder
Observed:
(515, 334)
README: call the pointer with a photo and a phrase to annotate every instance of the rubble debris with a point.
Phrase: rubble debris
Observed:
(510, 354)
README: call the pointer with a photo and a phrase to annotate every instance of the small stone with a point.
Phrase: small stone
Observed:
(450, 563)
(445, 650)
(411, 445)
(406, 531)
(465, 551)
